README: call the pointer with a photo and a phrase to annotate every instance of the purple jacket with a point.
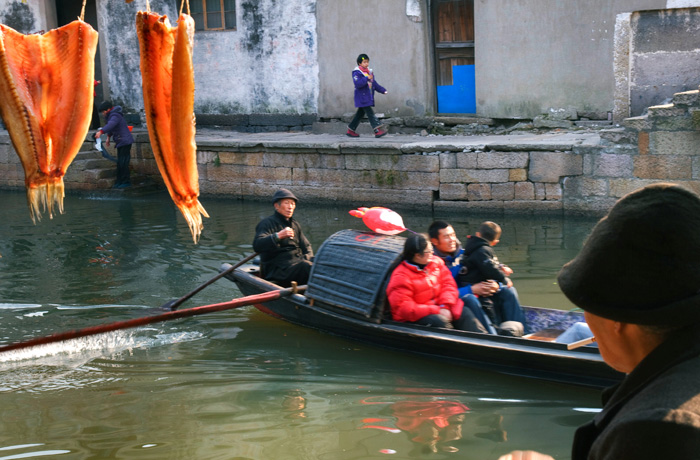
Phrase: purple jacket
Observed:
(117, 128)
(364, 96)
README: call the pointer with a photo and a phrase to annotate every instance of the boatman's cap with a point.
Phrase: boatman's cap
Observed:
(106, 105)
(282, 194)
(641, 263)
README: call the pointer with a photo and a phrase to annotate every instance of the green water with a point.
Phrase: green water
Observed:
(239, 384)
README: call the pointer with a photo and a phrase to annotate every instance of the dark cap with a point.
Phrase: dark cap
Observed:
(362, 57)
(282, 194)
(106, 105)
(641, 263)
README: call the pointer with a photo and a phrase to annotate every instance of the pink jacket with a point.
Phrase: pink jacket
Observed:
(414, 293)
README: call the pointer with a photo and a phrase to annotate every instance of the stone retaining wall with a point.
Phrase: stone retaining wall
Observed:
(584, 177)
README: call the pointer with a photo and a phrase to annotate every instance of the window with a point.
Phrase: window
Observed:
(213, 14)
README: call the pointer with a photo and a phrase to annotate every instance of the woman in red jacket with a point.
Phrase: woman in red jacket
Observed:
(422, 290)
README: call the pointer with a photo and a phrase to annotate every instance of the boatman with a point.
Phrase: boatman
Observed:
(285, 253)
(637, 279)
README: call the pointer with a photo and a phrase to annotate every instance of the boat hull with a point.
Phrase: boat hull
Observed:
(510, 355)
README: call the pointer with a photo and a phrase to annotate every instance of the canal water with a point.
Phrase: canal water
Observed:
(238, 384)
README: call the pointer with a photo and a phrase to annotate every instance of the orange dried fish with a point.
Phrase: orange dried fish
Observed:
(168, 95)
(46, 82)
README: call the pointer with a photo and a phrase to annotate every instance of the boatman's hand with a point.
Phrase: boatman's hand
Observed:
(285, 233)
(98, 133)
(485, 288)
(525, 455)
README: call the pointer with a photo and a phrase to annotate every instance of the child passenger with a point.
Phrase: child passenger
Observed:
(479, 263)
(365, 86)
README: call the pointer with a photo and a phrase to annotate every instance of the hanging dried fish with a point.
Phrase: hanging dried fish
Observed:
(168, 94)
(46, 82)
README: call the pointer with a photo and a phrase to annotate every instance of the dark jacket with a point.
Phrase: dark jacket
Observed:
(277, 256)
(654, 413)
(364, 95)
(479, 263)
(117, 128)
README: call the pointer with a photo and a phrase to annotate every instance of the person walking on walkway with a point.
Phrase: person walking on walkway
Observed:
(365, 86)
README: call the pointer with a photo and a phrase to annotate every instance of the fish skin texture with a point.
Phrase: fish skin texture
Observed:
(168, 94)
(48, 80)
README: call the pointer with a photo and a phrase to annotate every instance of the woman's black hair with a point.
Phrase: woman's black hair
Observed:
(415, 244)
(362, 57)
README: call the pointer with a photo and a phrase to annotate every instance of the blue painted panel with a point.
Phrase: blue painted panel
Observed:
(460, 97)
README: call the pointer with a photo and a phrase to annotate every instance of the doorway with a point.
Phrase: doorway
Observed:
(453, 37)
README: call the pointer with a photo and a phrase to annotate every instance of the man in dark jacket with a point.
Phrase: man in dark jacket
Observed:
(649, 238)
(285, 253)
(117, 128)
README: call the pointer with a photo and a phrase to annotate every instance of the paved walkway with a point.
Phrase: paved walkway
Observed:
(404, 142)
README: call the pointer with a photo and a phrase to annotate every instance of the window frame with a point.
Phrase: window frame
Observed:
(222, 12)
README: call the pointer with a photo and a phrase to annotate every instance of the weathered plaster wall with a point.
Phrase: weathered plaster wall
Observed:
(535, 55)
(394, 33)
(267, 65)
(28, 17)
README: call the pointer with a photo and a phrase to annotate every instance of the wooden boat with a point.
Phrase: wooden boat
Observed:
(346, 297)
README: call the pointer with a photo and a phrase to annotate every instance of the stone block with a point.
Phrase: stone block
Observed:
(453, 191)
(517, 175)
(663, 111)
(663, 167)
(249, 174)
(485, 175)
(540, 193)
(539, 207)
(637, 123)
(448, 160)
(687, 98)
(678, 123)
(239, 158)
(496, 160)
(4, 153)
(524, 191)
(478, 192)
(504, 191)
(552, 192)
(466, 160)
(467, 206)
(422, 163)
(674, 143)
(361, 196)
(612, 165)
(621, 187)
(291, 160)
(453, 175)
(551, 166)
(695, 173)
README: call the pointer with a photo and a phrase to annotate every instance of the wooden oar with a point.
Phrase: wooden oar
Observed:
(174, 304)
(93, 330)
(580, 343)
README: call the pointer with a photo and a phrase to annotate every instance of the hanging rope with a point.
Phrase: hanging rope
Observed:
(182, 4)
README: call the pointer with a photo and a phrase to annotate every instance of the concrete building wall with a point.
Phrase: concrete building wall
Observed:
(394, 33)
(267, 65)
(28, 17)
(664, 56)
(538, 55)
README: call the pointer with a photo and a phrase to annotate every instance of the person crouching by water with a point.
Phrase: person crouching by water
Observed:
(422, 290)
(285, 253)
(649, 238)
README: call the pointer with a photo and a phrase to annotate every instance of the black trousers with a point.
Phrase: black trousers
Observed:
(362, 111)
(123, 159)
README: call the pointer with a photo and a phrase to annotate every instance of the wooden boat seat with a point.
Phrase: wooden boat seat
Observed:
(545, 335)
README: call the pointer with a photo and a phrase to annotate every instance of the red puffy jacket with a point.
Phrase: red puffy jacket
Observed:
(414, 293)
